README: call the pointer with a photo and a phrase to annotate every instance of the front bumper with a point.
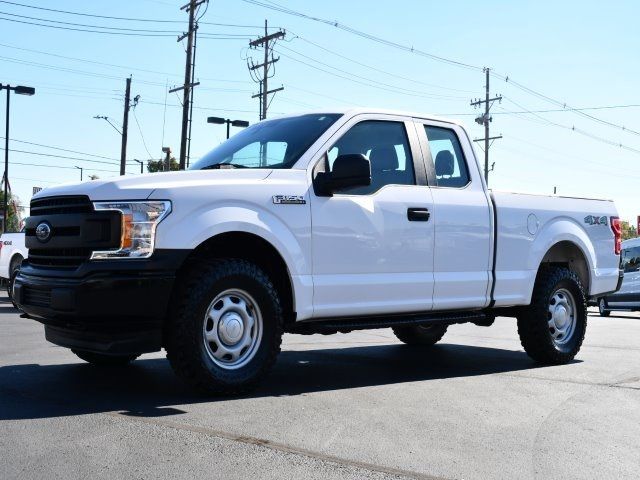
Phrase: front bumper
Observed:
(115, 306)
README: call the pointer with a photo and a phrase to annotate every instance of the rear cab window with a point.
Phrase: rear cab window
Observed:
(448, 159)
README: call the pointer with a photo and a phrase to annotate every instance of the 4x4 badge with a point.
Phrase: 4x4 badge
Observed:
(289, 200)
(593, 220)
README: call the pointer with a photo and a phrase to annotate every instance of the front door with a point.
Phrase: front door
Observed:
(373, 246)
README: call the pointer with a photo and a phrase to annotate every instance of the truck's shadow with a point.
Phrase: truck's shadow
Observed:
(148, 386)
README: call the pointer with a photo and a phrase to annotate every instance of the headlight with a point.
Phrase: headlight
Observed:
(139, 222)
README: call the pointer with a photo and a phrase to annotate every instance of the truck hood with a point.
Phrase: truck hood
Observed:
(140, 187)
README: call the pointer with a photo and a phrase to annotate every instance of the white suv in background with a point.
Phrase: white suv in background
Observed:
(628, 297)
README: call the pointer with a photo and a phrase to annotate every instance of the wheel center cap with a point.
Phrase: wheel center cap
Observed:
(231, 328)
(560, 316)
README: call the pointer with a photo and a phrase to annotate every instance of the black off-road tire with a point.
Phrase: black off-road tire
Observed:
(184, 336)
(420, 335)
(104, 360)
(602, 307)
(533, 327)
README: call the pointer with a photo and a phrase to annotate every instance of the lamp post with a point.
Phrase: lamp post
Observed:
(141, 164)
(81, 172)
(20, 90)
(229, 122)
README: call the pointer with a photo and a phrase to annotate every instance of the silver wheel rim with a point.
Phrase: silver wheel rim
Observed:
(601, 306)
(232, 329)
(562, 316)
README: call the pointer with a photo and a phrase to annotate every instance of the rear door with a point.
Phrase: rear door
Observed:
(462, 218)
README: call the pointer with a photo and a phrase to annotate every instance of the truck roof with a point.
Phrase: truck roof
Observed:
(632, 242)
(372, 110)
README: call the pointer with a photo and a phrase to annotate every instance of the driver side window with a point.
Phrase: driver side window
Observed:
(386, 146)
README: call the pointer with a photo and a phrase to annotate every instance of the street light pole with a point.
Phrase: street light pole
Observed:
(81, 172)
(20, 90)
(6, 165)
(141, 164)
(230, 123)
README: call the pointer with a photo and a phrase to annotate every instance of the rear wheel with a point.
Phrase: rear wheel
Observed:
(420, 334)
(226, 331)
(553, 326)
(104, 360)
(602, 308)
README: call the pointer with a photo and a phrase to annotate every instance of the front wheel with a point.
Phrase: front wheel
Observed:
(552, 327)
(602, 308)
(226, 331)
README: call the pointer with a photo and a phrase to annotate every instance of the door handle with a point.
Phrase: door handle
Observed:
(418, 214)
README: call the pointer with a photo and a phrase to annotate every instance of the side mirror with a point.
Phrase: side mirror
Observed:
(350, 170)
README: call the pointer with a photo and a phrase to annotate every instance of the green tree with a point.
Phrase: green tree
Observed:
(628, 230)
(14, 211)
(159, 165)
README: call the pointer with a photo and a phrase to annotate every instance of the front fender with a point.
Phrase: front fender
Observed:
(187, 232)
(289, 233)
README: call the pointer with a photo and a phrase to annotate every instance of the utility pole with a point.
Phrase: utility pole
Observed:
(485, 119)
(125, 126)
(267, 42)
(188, 75)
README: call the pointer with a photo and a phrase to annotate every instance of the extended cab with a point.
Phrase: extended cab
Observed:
(315, 223)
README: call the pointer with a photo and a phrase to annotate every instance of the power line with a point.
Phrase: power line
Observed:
(38, 19)
(361, 82)
(130, 34)
(550, 110)
(288, 11)
(376, 69)
(61, 149)
(119, 31)
(274, 6)
(574, 129)
(61, 156)
(59, 166)
(148, 20)
(564, 105)
(135, 117)
(409, 91)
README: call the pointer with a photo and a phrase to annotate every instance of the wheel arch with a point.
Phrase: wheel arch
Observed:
(14, 257)
(564, 242)
(256, 249)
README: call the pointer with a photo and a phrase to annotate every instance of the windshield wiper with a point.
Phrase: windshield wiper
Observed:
(218, 166)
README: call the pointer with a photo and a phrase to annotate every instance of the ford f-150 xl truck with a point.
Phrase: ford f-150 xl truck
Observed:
(315, 223)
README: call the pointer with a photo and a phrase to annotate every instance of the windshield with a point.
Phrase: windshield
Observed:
(274, 144)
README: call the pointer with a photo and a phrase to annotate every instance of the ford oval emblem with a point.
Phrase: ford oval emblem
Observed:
(43, 232)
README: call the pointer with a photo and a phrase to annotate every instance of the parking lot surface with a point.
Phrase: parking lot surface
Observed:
(361, 405)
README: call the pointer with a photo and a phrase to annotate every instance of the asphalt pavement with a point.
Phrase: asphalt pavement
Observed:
(359, 405)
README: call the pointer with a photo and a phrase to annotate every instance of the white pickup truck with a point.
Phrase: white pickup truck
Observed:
(12, 252)
(315, 223)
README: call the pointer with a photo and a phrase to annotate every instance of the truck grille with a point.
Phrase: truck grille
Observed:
(61, 205)
(76, 230)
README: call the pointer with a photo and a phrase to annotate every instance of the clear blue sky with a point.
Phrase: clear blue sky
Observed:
(582, 53)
